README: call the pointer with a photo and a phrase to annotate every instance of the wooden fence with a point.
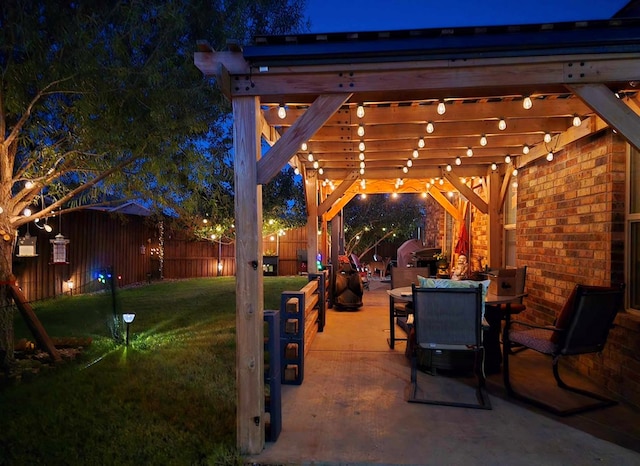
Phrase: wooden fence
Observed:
(129, 247)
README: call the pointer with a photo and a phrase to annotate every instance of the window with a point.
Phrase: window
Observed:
(510, 205)
(633, 227)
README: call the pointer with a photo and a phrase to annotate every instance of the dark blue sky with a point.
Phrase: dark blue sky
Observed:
(377, 15)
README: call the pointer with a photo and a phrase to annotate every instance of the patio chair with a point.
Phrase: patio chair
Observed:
(581, 327)
(449, 319)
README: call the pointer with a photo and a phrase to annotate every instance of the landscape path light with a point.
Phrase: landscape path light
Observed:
(128, 319)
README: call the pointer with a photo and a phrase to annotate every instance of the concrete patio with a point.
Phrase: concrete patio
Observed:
(352, 409)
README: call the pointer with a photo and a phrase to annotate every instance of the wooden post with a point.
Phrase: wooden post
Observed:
(311, 194)
(249, 281)
(494, 226)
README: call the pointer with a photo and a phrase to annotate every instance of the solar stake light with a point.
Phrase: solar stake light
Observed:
(128, 319)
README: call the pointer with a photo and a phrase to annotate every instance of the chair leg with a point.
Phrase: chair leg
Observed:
(602, 402)
(481, 394)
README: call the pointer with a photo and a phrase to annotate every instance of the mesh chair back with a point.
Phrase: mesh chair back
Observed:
(595, 308)
(447, 318)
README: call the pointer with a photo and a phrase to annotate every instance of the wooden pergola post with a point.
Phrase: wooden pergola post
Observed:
(249, 280)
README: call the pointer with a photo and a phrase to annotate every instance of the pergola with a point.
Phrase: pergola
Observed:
(406, 111)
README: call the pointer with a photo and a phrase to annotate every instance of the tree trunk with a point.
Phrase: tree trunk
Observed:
(6, 303)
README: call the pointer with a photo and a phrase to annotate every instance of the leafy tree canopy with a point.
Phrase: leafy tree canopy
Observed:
(381, 218)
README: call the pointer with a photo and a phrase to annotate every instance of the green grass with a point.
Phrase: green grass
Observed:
(167, 398)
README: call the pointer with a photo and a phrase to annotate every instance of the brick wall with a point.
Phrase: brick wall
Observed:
(570, 229)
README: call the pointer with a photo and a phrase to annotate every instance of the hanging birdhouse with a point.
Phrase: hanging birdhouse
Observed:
(27, 246)
(59, 247)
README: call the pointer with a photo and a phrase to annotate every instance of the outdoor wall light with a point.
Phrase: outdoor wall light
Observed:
(128, 319)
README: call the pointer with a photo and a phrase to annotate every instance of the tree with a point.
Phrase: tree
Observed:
(380, 218)
(100, 102)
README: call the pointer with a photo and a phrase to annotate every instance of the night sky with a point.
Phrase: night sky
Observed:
(378, 15)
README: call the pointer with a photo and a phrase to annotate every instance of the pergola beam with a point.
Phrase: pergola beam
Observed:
(287, 146)
(611, 109)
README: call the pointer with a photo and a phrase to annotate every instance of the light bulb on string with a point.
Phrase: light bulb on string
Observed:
(441, 181)
(494, 166)
(361, 156)
(361, 146)
(458, 161)
(441, 108)
(321, 171)
(361, 130)
(469, 152)
(296, 171)
(409, 163)
(430, 127)
(282, 112)
(316, 164)
(304, 146)
(547, 137)
(483, 140)
(525, 149)
(527, 103)
(576, 121)
(515, 172)
(507, 158)
(28, 184)
(310, 157)
(415, 153)
(421, 143)
(405, 169)
(360, 111)
(362, 164)
(27, 212)
(549, 156)
(502, 124)
(362, 171)
(449, 167)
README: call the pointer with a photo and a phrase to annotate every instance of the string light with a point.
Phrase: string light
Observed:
(441, 181)
(363, 195)
(507, 158)
(421, 143)
(525, 149)
(28, 184)
(321, 171)
(310, 157)
(494, 166)
(360, 111)
(483, 140)
(547, 137)
(282, 112)
(430, 127)
(576, 120)
(550, 156)
(361, 156)
(527, 103)
(448, 167)
(405, 169)
(316, 164)
(458, 161)
(441, 108)
(469, 152)
(409, 163)
(361, 146)
(415, 153)
(361, 130)
(502, 124)
(27, 212)
(362, 164)
(296, 171)
(363, 183)
(515, 172)
(362, 171)
(304, 146)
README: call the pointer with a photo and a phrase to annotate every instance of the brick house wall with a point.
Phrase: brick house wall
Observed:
(570, 229)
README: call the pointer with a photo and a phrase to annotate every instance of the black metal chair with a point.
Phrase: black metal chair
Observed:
(449, 319)
(581, 327)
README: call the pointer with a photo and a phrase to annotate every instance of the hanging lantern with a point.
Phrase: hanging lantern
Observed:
(27, 246)
(59, 249)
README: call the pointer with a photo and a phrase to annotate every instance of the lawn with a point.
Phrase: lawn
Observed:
(167, 398)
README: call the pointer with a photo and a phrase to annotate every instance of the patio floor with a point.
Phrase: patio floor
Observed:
(351, 409)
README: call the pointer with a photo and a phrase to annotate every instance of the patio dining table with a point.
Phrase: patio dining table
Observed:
(492, 325)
